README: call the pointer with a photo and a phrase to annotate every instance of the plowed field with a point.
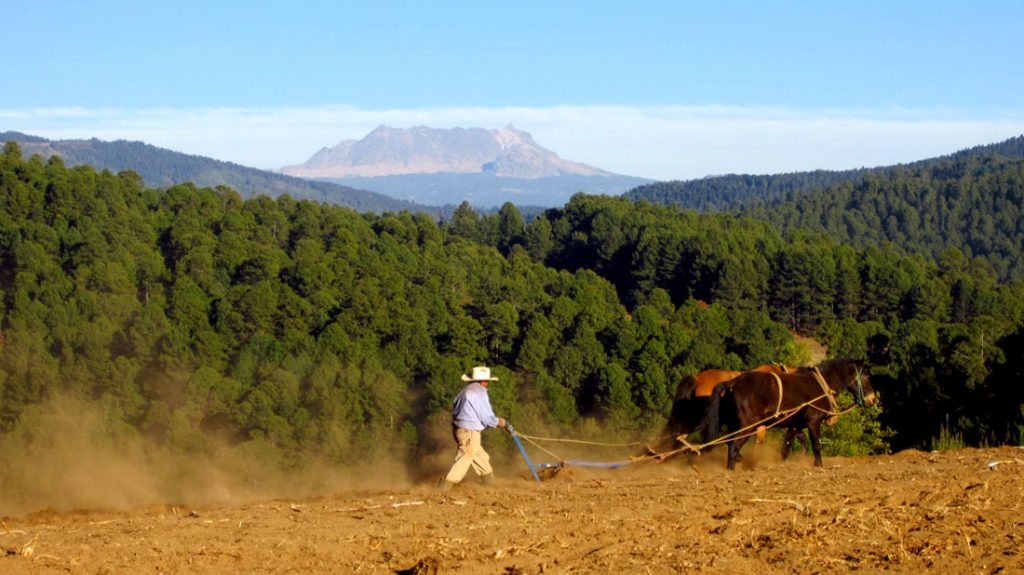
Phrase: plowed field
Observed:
(953, 512)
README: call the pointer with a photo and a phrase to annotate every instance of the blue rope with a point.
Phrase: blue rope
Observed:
(602, 465)
(582, 463)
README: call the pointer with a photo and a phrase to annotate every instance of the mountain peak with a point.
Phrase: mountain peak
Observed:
(507, 152)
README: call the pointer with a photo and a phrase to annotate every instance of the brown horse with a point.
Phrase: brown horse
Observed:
(690, 404)
(792, 401)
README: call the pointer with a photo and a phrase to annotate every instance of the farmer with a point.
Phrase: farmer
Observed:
(471, 413)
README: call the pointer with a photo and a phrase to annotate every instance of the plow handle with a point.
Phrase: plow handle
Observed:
(522, 451)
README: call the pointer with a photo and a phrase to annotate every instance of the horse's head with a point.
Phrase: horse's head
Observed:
(847, 375)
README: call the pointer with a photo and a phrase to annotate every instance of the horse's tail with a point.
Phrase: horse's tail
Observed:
(710, 427)
(686, 388)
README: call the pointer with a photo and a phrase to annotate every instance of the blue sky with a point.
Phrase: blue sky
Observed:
(659, 89)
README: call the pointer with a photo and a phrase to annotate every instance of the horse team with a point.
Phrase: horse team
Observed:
(746, 403)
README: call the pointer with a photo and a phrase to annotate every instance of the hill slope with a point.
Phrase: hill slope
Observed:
(971, 202)
(739, 190)
(160, 167)
(718, 193)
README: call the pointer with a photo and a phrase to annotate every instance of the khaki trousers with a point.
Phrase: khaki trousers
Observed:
(470, 454)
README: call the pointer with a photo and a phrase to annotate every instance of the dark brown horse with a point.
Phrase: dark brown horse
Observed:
(793, 401)
(691, 402)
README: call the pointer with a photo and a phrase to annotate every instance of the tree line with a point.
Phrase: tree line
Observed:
(969, 204)
(970, 201)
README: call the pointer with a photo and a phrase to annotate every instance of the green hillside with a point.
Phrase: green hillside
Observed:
(162, 168)
(970, 204)
(733, 191)
(719, 193)
(963, 205)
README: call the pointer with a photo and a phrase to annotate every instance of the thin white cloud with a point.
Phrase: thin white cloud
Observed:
(666, 142)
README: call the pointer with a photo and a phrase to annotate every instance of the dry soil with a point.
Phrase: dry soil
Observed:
(953, 511)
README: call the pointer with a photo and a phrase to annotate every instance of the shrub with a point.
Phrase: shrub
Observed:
(858, 432)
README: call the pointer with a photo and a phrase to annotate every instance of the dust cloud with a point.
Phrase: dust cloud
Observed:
(66, 454)
(70, 455)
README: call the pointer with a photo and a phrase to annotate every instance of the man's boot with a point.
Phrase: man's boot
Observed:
(444, 486)
(487, 480)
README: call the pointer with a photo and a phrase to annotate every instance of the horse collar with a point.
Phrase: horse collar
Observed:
(827, 389)
(778, 382)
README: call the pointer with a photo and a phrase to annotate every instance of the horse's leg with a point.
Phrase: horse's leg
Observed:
(734, 451)
(667, 439)
(787, 443)
(815, 430)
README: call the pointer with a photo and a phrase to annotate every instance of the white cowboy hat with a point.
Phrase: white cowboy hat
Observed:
(480, 373)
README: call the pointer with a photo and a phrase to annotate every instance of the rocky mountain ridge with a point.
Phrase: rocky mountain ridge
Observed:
(387, 151)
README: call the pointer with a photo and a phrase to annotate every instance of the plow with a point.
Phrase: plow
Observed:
(543, 471)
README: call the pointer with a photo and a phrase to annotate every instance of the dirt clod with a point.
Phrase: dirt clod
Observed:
(428, 566)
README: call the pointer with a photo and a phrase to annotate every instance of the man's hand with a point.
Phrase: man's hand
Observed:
(502, 422)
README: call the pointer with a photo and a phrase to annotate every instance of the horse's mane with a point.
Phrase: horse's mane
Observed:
(835, 365)
(838, 362)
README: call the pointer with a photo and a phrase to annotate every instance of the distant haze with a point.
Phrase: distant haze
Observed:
(666, 143)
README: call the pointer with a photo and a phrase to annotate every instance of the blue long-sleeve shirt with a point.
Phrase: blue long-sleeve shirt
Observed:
(472, 408)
